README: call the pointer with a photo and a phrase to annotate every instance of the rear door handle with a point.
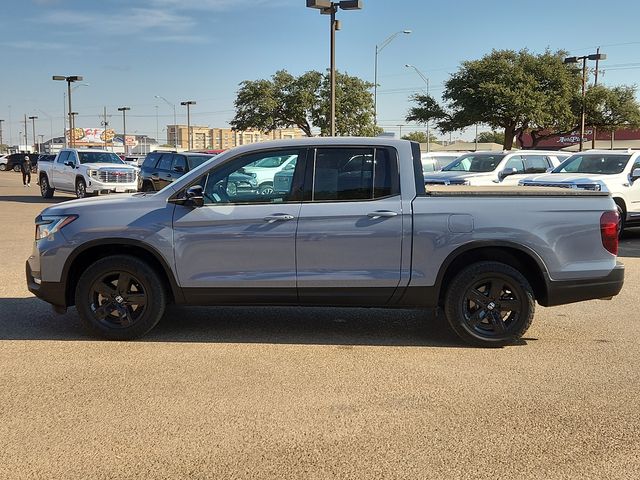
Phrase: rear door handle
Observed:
(278, 218)
(382, 213)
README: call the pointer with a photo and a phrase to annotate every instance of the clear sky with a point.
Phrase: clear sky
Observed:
(130, 50)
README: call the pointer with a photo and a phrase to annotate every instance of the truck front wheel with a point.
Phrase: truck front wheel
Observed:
(45, 189)
(81, 188)
(489, 304)
(120, 297)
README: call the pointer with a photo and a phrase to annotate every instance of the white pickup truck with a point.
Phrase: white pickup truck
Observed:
(87, 172)
(616, 172)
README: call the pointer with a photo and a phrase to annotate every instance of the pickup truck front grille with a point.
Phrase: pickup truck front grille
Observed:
(116, 176)
(593, 187)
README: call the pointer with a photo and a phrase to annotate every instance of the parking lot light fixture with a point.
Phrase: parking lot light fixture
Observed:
(33, 124)
(379, 48)
(426, 89)
(69, 80)
(124, 127)
(328, 7)
(568, 60)
(188, 104)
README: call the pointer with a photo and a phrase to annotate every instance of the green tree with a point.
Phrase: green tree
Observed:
(4, 148)
(491, 137)
(287, 101)
(514, 91)
(612, 108)
(420, 137)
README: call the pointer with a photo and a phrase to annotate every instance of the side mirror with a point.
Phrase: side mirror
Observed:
(195, 196)
(178, 168)
(70, 163)
(635, 174)
(506, 172)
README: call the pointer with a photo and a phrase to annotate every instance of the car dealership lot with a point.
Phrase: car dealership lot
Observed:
(315, 393)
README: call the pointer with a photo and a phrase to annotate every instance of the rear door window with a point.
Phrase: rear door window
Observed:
(165, 161)
(536, 163)
(179, 163)
(516, 162)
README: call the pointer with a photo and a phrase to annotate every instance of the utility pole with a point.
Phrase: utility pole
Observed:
(33, 120)
(124, 127)
(105, 125)
(26, 138)
(188, 104)
(1, 131)
(595, 82)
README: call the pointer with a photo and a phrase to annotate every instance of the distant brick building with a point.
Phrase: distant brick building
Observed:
(224, 138)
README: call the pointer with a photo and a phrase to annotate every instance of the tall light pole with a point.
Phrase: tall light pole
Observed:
(426, 89)
(26, 137)
(69, 80)
(175, 124)
(584, 58)
(124, 127)
(188, 104)
(33, 124)
(1, 120)
(379, 48)
(327, 7)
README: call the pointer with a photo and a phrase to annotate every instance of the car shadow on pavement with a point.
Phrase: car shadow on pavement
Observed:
(32, 319)
(36, 198)
(630, 243)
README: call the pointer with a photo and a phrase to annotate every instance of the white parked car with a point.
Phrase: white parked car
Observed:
(491, 168)
(87, 172)
(617, 172)
(436, 161)
(265, 169)
(3, 163)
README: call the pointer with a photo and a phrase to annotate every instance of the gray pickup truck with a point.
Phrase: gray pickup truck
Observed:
(355, 228)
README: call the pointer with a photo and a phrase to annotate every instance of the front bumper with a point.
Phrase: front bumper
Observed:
(51, 292)
(570, 291)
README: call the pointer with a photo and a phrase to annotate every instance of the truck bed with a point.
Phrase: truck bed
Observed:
(511, 191)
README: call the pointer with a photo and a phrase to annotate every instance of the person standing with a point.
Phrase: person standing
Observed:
(26, 171)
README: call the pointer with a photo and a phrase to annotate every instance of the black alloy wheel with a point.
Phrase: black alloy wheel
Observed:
(489, 304)
(118, 299)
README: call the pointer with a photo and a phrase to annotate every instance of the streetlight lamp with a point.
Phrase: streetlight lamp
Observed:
(379, 48)
(584, 58)
(124, 127)
(426, 89)
(188, 103)
(175, 124)
(327, 7)
(69, 80)
(33, 124)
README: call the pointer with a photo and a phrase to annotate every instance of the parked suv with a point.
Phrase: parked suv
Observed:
(160, 168)
(617, 172)
(490, 168)
(14, 161)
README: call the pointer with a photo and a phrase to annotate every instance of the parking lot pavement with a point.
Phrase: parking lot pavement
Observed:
(317, 393)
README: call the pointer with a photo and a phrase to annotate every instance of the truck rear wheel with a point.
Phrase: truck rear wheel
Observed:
(120, 297)
(489, 304)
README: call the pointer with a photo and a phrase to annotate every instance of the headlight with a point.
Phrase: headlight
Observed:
(47, 225)
(93, 173)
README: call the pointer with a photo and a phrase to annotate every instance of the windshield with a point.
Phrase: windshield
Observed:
(486, 162)
(197, 160)
(99, 157)
(593, 163)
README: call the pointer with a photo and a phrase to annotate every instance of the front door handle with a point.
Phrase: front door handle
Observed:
(382, 213)
(278, 217)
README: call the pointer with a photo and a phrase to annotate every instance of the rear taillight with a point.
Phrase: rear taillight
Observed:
(609, 225)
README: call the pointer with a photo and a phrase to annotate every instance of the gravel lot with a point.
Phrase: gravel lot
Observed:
(316, 393)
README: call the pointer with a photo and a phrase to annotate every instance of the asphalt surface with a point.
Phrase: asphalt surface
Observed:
(295, 393)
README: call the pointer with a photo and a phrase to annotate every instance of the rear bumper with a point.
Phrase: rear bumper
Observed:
(570, 291)
(51, 292)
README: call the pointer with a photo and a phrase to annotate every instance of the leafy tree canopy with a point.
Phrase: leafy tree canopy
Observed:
(491, 137)
(420, 137)
(287, 101)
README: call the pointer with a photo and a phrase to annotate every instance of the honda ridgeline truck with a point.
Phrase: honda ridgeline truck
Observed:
(87, 172)
(355, 228)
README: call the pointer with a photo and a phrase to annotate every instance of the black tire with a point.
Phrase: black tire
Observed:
(81, 188)
(265, 188)
(109, 309)
(3, 167)
(45, 189)
(478, 320)
(16, 168)
(621, 223)
(147, 187)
